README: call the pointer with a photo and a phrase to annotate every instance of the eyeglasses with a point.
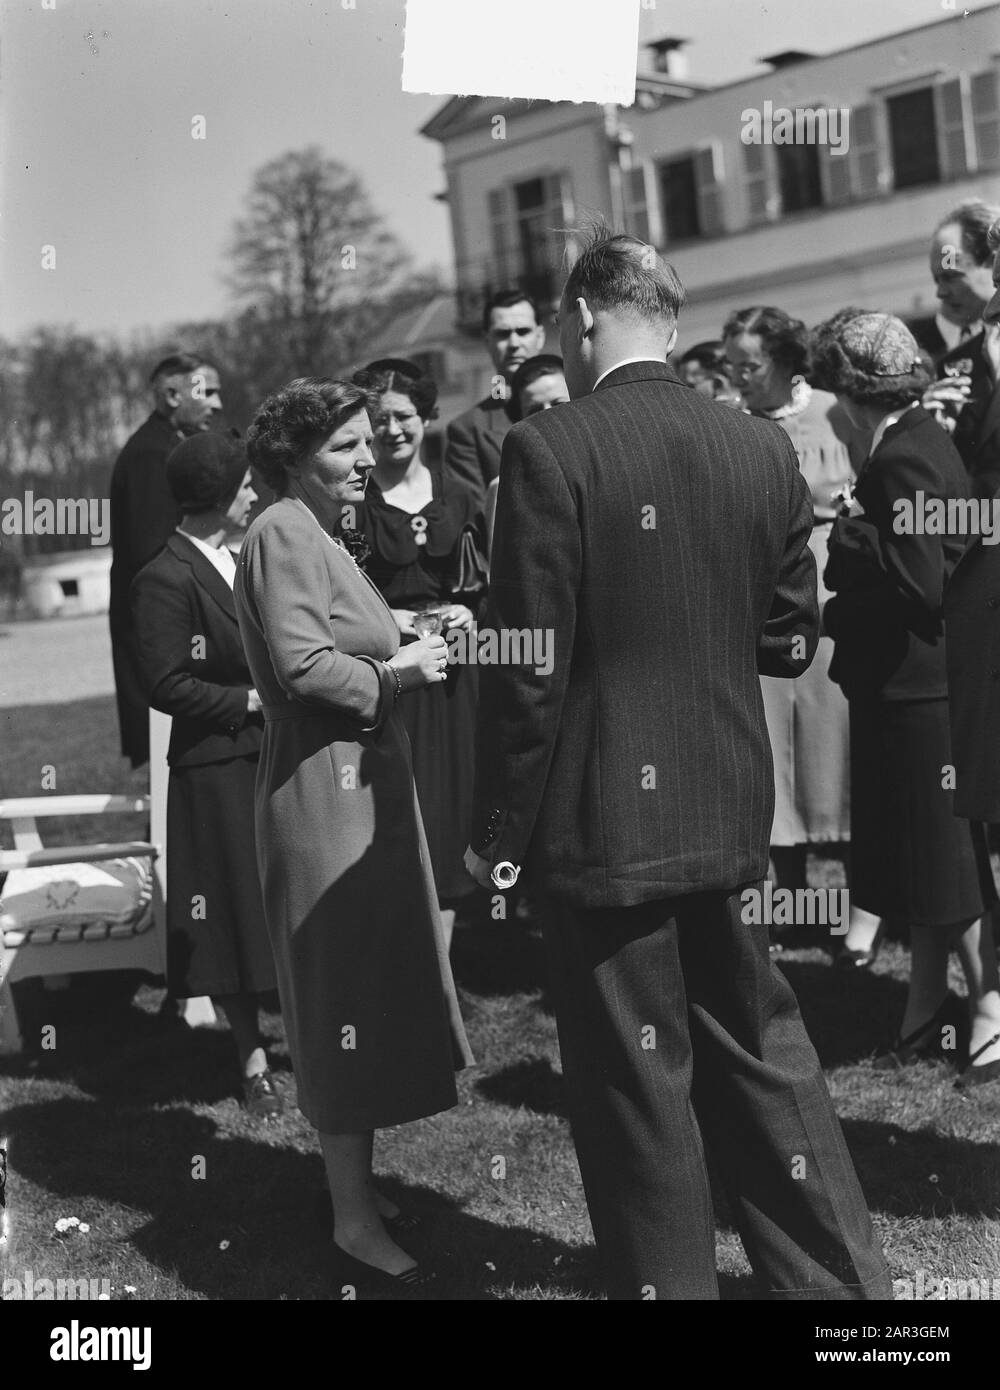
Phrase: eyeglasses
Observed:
(744, 368)
(382, 422)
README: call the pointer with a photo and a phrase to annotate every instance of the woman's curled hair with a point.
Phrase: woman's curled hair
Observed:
(294, 421)
(784, 339)
(397, 374)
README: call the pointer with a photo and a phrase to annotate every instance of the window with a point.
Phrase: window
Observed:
(798, 177)
(913, 138)
(679, 200)
(526, 217)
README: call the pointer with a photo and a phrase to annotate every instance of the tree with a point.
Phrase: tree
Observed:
(312, 262)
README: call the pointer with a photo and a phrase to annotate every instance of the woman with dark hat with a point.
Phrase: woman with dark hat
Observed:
(193, 665)
(912, 858)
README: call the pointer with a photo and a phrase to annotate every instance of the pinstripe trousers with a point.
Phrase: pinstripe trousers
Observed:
(678, 1034)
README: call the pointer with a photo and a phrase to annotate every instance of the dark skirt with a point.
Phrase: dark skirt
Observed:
(217, 940)
(441, 723)
(911, 856)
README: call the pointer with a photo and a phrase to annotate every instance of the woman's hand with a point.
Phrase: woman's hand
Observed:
(254, 705)
(404, 621)
(458, 616)
(946, 398)
(423, 662)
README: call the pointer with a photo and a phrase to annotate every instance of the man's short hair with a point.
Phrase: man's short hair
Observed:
(506, 299)
(975, 220)
(616, 271)
(993, 236)
(710, 354)
(177, 364)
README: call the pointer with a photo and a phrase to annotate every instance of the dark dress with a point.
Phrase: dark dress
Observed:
(440, 719)
(910, 856)
(217, 940)
(367, 995)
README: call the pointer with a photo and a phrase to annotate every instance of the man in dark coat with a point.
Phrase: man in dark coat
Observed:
(972, 620)
(144, 514)
(966, 398)
(657, 544)
(474, 439)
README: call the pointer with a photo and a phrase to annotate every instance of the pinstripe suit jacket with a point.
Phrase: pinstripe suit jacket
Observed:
(662, 541)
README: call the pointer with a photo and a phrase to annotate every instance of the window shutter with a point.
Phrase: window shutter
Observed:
(985, 101)
(865, 155)
(636, 206)
(708, 175)
(951, 130)
(835, 172)
(755, 182)
(499, 202)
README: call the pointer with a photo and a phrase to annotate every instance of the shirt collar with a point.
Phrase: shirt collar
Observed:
(885, 423)
(626, 362)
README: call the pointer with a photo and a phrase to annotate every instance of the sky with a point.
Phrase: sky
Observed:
(98, 98)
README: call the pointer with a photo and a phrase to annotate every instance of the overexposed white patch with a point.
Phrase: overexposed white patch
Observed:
(545, 50)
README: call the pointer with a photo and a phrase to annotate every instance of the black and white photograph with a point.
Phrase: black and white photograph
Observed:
(499, 662)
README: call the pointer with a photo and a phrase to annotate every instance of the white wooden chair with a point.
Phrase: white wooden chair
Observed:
(95, 906)
(76, 917)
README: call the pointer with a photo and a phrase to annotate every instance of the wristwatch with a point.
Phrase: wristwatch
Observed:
(505, 874)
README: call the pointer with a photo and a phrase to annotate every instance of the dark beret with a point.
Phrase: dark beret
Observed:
(206, 470)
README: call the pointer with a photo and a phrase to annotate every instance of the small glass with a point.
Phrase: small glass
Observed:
(429, 622)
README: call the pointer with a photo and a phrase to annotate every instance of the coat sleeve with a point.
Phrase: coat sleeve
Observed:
(534, 582)
(911, 590)
(461, 456)
(788, 639)
(289, 585)
(165, 638)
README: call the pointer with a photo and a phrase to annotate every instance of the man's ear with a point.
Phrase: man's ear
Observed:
(671, 342)
(586, 318)
(171, 396)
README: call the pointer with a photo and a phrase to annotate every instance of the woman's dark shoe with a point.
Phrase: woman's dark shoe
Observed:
(348, 1270)
(403, 1223)
(261, 1097)
(926, 1041)
(850, 959)
(979, 1076)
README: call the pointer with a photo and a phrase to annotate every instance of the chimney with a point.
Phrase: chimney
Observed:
(668, 58)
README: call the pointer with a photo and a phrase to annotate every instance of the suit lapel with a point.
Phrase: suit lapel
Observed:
(205, 573)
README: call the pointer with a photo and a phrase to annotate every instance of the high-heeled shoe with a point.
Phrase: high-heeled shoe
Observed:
(850, 959)
(346, 1269)
(925, 1041)
(979, 1076)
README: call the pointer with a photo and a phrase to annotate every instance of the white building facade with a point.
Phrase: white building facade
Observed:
(891, 135)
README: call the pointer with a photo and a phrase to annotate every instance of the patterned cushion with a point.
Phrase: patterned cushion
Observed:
(76, 902)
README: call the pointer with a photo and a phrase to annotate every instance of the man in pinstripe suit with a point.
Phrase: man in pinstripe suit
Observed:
(662, 540)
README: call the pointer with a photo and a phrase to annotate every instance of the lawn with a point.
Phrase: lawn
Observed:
(110, 1126)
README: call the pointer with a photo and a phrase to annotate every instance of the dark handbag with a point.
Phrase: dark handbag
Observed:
(471, 571)
(855, 558)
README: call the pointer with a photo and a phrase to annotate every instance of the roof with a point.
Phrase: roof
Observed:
(417, 327)
(451, 117)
